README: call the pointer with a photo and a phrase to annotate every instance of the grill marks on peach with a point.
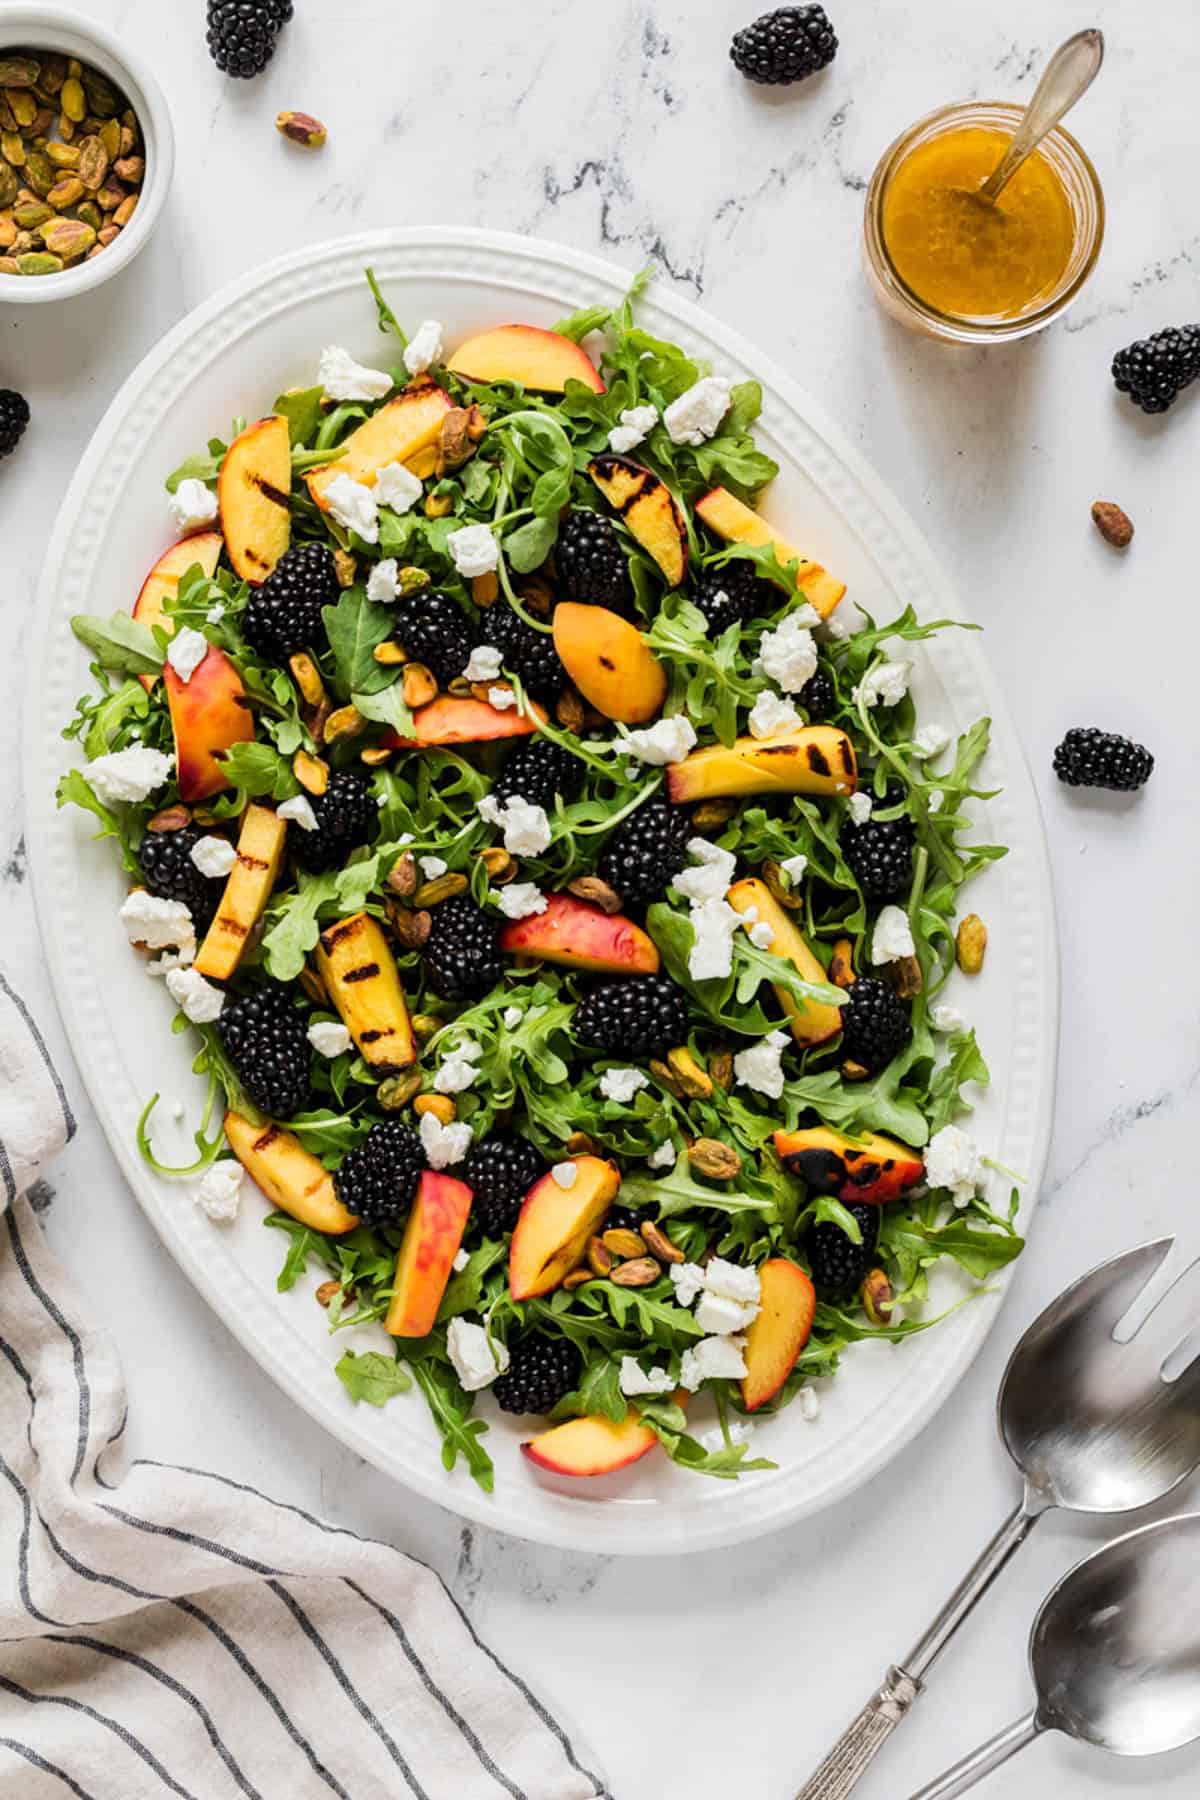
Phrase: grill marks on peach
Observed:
(356, 964)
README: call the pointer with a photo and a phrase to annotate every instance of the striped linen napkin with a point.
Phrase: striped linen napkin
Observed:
(172, 1631)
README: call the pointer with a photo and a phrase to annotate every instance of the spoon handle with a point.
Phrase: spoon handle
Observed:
(861, 1742)
(1066, 78)
(981, 1762)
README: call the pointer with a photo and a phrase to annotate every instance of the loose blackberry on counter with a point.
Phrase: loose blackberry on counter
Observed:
(241, 35)
(785, 45)
(1102, 759)
(166, 859)
(1155, 370)
(734, 593)
(593, 568)
(643, 1015)
(284, 614)
(14, 417)
(538, 770)
(818, 697)
(838, 1265)
(540, 1371)
(879, 855)
(646, 851)
(264, 1038)
(434, 630)
(462, 955)
(528, 653)
(499, 1173)
(346, 817)
(377, 1180)
(875, 1024)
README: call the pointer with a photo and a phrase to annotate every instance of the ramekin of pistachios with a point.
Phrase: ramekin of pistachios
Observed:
(86, 154)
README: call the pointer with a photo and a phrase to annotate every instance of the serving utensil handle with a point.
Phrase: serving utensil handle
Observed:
(981, 1762)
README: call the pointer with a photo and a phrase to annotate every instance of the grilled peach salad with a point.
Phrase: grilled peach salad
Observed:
(561, 889)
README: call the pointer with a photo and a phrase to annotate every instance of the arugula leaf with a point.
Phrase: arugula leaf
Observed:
(679, 1191)
(119, 643)
(355, 625)
(386, 707)
(257, 771)
(369, 1375)
(302, 410)
(451, 1410)
(73, 790)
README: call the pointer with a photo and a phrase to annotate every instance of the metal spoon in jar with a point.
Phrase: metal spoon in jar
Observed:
(1115, 1654)
(1066, 78)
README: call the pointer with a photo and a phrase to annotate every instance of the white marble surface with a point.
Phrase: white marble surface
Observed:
(624, 129)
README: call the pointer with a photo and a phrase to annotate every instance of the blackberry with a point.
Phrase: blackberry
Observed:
(14, 417)
(528, 653)
(280, 12)
(264, 1038)
(537, 770)
(818, 697)
(645, 1015)
(875, 1025)
(346, 816)
(785, 45)
(540, 1371)
(646, 851)
(377, 1181)
(627, 1218)
(462, 957)
(284, 614)
(734, 593)
(879, 855)
(1102, 759)
(241, 35)
(1155, 370)
(836, 1263)
(499, 1173)
(434, 630)
(166, 859)
(592, 567)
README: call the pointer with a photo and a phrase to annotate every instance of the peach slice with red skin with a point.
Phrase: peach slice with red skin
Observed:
(871, 1167)
(402, 431)
(253, 492)
(645, 503)
(737, 523)
(609, 662)
(555, 1224)
(592, 1445)
(162, 583)
(453, 720)
(431, 1242)
(814, 759)
(582, 936)
(529, 354)
(776, 1337)
(207, 718)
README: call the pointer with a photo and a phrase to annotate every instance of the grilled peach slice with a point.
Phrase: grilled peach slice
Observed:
(399, 432)
(555, 1224)
(608, 660)
(363, 982)
(779, 1333)
(737, 523)
(537, 358)
(260, 847)
(582, 936)
(253, 491)
(647, 507)
(814, 759)
(451, 720)
(207, 717)
(870, 1167)
(431, 1242)
(162, 583)
(592, 1445)
(288, 1174)
(811, 1023)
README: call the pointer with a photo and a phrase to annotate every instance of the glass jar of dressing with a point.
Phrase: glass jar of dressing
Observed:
(967, 270)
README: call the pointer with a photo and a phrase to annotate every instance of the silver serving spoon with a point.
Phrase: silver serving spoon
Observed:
(1115, 1654)
(1092, 1426)
(1065, 79)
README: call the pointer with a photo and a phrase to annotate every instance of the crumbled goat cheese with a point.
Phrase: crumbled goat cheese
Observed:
(740, 1432)
(719, 1316)
(192, 506)
(810, 1406)
(771, 714)
(214, 856)
(936, 800)
(186, 651)
(636, 424)
(688, 1281)
(860, 807)
(761, 1067)
(344, 379)
(397, 488)
(636, 1380)
(525, 826)
(432, 866)
(621, 1085)
(521, 899)
(698, 411)
(158, 924)
(761, 934)
(215, 614)
(443, 1144)
(666, 741)
(794, 868)
(329, 1038)
(298, 811)
(424, 347)
(474, 550)
(383, 582)
(663, 1156)
(885, 685)
(892, 938)
(564, 1174)
(947, 1019)
(953, 1161)
(712, 1358)
(501, 698)
(219, 1192)
(511, 1018)
(131, 774)
(354, 507)
(789, 653)
(733, 1281)
(485, 663)
(198, 999)
(836, 628)
(710, 881)
(458, 1071)
(711, 955)
(930, 740)
(477, 1361)
(461, 1259)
